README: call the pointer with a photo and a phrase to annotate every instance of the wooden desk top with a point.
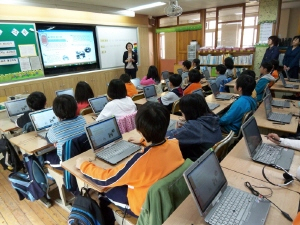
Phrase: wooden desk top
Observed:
(223, 103)
(7, 125)
(187, 213)
(278, 86)
(142, 101)
(262, 122)
(239, 160)
(231, 83)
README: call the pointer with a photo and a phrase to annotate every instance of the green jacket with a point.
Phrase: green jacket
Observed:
(164, 197)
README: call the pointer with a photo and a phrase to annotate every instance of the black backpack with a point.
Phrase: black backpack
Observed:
(9, 159)
(85, 211)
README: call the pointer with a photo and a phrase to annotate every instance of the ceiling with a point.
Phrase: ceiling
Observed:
(109, 6)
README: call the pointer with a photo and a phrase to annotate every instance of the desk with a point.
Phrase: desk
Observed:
(5, 123)
(223, 103)
(142, 101)
(278, 90)
(239, 160)
(231, 85)
(266, 126)
(187, 213)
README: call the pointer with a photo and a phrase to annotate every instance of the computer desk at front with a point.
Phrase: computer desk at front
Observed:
(187, 213)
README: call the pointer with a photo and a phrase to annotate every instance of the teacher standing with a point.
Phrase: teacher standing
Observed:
(130, 58)
(291, 58)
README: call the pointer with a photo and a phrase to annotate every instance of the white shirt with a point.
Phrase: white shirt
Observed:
(290, 143)
(118, 108)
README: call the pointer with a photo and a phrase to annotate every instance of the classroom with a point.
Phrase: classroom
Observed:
(179, 83)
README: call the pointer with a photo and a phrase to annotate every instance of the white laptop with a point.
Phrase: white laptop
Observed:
(216, 92)
(294, 86)
(150, 93)
(68, 91)
(211, 105)
(98, 103)
(219, 203)
(262, 152)
(16, 108)
(137, 83)
(42, 120)
(106, 140)
(278, 103)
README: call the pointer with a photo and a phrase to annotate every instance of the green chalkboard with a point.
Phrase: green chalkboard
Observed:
(19, 55)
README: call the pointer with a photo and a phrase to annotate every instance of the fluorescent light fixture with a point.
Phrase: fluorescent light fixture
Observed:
(125, 13)
(147, 6)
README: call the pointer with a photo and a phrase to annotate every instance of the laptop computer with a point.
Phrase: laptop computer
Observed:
(294, 86)
(16, 108)
(217, 94)
(137, 83)
(291, 79)
(97, 103)
(211, 105)
(262, 152)
(278, 117)
(168, 85)
(68, 91)
(42, 120)
(278, 103)
(219, 203)
(150, 93)
(106, 140)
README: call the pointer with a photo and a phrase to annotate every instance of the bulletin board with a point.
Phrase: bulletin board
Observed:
(19, 54)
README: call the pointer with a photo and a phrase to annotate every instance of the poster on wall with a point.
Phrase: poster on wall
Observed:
(265, 32)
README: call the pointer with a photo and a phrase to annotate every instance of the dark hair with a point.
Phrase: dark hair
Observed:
(153, 73)
(275, 40)
(247, 83)
(229, 63)
(65, 106)
(194, 76)
(197, 62)
(250, 73)
(152, 120)
(275, 64)
(193, 106)
(128, 44)
(116, 89)
(267, 66)
(83, 92)
(187, 64)
(297, 37)
(221, 69)
(175, 79)
(125, 78)
(36, 100)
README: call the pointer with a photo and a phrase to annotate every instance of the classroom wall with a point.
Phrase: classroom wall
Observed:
(284, 23)
(294, 21)
(170, 45)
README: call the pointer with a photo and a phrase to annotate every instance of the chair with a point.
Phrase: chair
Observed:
(175, 107)
(179, 71)
(165, 75)
(221, 148)
(127, 123)
(85, 111)
(137, 96)
(246, 116)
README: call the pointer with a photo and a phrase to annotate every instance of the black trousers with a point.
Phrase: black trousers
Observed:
(131, 73)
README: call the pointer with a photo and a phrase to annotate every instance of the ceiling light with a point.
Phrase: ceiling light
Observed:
(173, 9)
(147, 6)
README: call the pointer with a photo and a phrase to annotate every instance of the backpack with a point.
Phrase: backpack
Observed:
(9, 159)
(85, 211)
(31, 185)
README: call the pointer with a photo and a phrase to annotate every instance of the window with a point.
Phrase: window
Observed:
(189, 18)
(167, 21)
(210, 28)
(162, 45)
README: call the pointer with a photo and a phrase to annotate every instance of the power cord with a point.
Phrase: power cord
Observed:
(256, 193)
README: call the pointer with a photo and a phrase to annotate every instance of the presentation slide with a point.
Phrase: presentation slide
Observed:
(67, 47)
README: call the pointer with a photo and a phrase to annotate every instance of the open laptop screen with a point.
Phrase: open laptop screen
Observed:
(199, 92)
(16, 107)
(103, 132)
(282, 79)
(214, 89)
(98, 103)
(149, 91)
(43, 119)
(65, 92)
(268, 105)
(136, 82)
(206, 180)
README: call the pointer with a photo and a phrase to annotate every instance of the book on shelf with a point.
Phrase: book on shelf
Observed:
(218, 59)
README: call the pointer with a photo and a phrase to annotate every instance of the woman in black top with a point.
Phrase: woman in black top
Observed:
(130, 58)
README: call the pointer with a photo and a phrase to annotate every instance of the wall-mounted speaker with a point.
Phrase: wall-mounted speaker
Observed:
(151, 21)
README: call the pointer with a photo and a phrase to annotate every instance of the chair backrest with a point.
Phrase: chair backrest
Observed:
(127, 123)
(206, 74)
(175, 107)
(138, 96)
(85, 111)
(165, 75)
(246, 116)
(179, 71)
(221, 147)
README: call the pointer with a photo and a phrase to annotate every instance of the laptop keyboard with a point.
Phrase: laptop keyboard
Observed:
(117, 149)
(212, 106)
(277, 116)
(268, 154)
(232, 208)
(278, 103)
(43, 134)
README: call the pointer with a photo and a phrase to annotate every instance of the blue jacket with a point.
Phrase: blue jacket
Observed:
(196, 136)
(261, 84)
(219, 79)
(291, 57)
(271, 53)
(232, 119)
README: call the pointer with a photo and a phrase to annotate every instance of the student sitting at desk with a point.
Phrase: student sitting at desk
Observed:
(152, 77)
(289, 143)
(201, 129)
(229, 64)
(120, 105)
(274, 71)
(232, 119)
(130, 88)
(70, 126)
(265, 69)
(194, 82)
(220, 70)
(175, 93)
(186, 65)
(83, 92)
(131, 180)
(251, 73)
(35, 101)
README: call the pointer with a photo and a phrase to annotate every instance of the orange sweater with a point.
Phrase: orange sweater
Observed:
(131, 90)
(275, 75)
(140, 172)
(191, 87)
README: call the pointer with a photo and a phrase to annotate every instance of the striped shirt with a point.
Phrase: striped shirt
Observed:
(65, 130)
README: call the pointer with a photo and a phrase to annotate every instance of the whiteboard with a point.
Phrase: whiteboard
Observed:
(111, 44)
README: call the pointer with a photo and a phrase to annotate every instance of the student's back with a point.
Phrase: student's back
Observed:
(266, 78)
(83, 92)
(220, 69)
(130, 88)
(194, 82)
(152, 77)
